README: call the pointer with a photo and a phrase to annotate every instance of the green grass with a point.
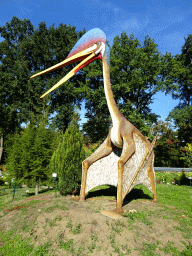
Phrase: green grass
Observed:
(176, 196)
(67, 245)
(76, 229)
(148, 249)
(15, 245)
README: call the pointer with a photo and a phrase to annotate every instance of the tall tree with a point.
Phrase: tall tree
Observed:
(98, 123)
(59, 42)
(182, 114)
(13, 76)
(23, 52)
(44, 144)
(67, 159)
(20, 158)
(1, 147)
(30, 154)
(182, 117)
(167, 149)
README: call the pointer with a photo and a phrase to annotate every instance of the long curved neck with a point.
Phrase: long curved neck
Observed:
(112, 106)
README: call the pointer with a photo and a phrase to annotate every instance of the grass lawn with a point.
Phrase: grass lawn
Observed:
(45, 225)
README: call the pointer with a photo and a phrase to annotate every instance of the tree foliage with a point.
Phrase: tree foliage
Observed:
(137, 73)
(182, 114)
(134, 72)
(167, 150)
(186, 155)
(30, 155)
(1, 147)
(23, 52)
(182, 117)
(67, 159)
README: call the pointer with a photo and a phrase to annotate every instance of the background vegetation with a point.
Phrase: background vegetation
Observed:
(138, 72)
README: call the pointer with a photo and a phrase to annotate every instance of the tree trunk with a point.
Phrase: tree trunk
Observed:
(1, 147)
(36, 189)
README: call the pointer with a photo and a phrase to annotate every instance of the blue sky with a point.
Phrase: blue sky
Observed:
(167, 22)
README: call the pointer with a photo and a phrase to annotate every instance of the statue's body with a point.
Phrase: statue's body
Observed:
(123, 135)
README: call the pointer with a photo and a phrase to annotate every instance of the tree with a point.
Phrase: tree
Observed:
(44, 145)
(167, 149)
(10, 115)
(30, 155)
(13, 165)
(135, 71)
(186, 155)
(23, 52)
(67, 159)
(182, 117)
(1, 147)
(59, 41)
(99, 121)
(182, 114)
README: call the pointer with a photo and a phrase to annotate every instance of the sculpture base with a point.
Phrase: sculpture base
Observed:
(112, 214)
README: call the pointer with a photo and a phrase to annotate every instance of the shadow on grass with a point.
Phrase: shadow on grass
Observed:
(46, 190)
(111, 191)
(134, 194)
(39, 192)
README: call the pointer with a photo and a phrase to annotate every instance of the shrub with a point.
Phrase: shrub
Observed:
(187, 155)
(67, 159)
(177, 178)
(2, 182)
(183, 179)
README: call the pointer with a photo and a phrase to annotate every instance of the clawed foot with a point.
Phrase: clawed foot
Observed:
(154, 201)
(78, 198)
(81, 199)
(120, 210)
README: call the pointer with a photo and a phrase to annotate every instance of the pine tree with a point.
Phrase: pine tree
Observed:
(13, 164)
(21, 156)
(67, 159)
(30, 155)
(44, 144)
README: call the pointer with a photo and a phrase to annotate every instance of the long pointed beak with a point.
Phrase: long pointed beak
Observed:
(69, 75)
(77, 57)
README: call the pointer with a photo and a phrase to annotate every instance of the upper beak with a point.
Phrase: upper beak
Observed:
(84, 55)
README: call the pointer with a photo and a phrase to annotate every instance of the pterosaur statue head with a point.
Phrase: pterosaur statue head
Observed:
(90, 46)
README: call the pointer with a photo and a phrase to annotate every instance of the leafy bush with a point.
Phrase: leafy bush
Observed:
(177, 178)
(183, 179)
(187, 155)
(2, 182)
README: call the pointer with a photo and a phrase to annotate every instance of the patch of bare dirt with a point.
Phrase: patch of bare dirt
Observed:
(15, 208)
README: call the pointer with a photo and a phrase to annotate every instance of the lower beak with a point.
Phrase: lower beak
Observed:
(70, 60)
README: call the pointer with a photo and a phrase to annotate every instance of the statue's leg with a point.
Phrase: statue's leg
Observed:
(152, 176)
(104, 149)
(128, 151)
